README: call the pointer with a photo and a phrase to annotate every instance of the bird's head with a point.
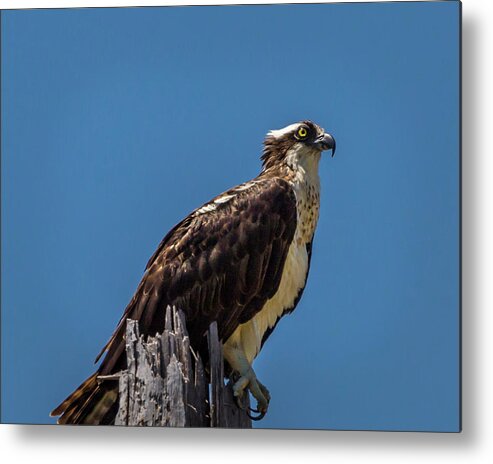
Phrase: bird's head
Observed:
(298, 144)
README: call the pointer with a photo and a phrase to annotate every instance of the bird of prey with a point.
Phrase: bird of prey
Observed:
(241, 259)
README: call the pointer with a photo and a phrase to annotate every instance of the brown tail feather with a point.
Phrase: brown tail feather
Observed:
(89, 403)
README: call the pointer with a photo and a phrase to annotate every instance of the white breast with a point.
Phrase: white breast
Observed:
(306, 186)
(249, 335)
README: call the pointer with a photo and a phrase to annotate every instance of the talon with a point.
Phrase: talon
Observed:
(255, 418)
(244, 379)
(250, 383)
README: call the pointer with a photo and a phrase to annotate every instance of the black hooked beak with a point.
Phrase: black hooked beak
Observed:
(326, 142)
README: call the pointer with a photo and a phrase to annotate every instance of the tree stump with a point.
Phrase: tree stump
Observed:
(166, 383)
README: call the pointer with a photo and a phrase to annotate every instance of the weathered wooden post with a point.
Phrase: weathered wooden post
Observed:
(166, 384)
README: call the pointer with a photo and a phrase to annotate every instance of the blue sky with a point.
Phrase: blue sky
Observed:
(118, 122)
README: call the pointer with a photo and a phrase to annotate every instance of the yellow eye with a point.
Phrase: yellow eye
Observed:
(302, 132)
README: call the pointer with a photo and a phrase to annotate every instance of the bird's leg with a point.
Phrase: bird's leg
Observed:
(237, 359)
(234, 377)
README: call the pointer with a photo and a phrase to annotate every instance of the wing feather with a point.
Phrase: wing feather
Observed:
(221, 263)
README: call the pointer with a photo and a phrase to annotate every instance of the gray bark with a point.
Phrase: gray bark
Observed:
(167, 384)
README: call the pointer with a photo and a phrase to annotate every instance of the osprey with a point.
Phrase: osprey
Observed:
(242, 259)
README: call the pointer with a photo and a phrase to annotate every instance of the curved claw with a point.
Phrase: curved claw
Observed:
(255, 418)
(249, 383)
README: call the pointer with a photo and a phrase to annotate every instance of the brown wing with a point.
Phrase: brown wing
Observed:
(220, 264)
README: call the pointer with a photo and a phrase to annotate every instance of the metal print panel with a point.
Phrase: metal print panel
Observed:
(293, 288)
